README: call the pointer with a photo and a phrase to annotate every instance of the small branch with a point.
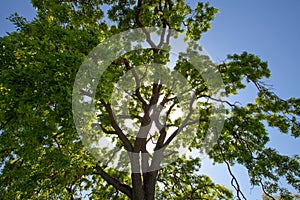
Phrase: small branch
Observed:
(170, 110)
(70, 191)
(124, 116)
(183, 125)
(162, 36)
(220, 100)
(139, 23)
(107, 131)
(6, 123)
(169, 36)
(137, 89)
(234, 181)
(265, 192)
(86, 93)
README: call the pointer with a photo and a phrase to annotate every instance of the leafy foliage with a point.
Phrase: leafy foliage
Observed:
(42, 155)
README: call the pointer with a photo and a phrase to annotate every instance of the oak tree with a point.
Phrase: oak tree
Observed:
(55, 107)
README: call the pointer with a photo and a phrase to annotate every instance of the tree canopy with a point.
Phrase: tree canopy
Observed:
(79, 72)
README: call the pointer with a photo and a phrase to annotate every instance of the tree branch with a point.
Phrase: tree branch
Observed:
(184, 123)
(113, 181)
(234, 181)
(139, 23)
(118, 130)
(137, 89)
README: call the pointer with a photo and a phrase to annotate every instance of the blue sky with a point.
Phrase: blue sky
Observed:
(270, 29)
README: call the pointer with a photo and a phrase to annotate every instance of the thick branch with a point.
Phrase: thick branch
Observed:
(146, 123)
(118, 130)
(155, 93)
(114, 182)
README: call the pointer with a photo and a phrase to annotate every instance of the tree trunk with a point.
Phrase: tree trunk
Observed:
(137, 187)
(144, 190)
(137, 183)
(149, 184)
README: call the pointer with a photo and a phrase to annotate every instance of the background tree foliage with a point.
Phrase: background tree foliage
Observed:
(42, 156)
